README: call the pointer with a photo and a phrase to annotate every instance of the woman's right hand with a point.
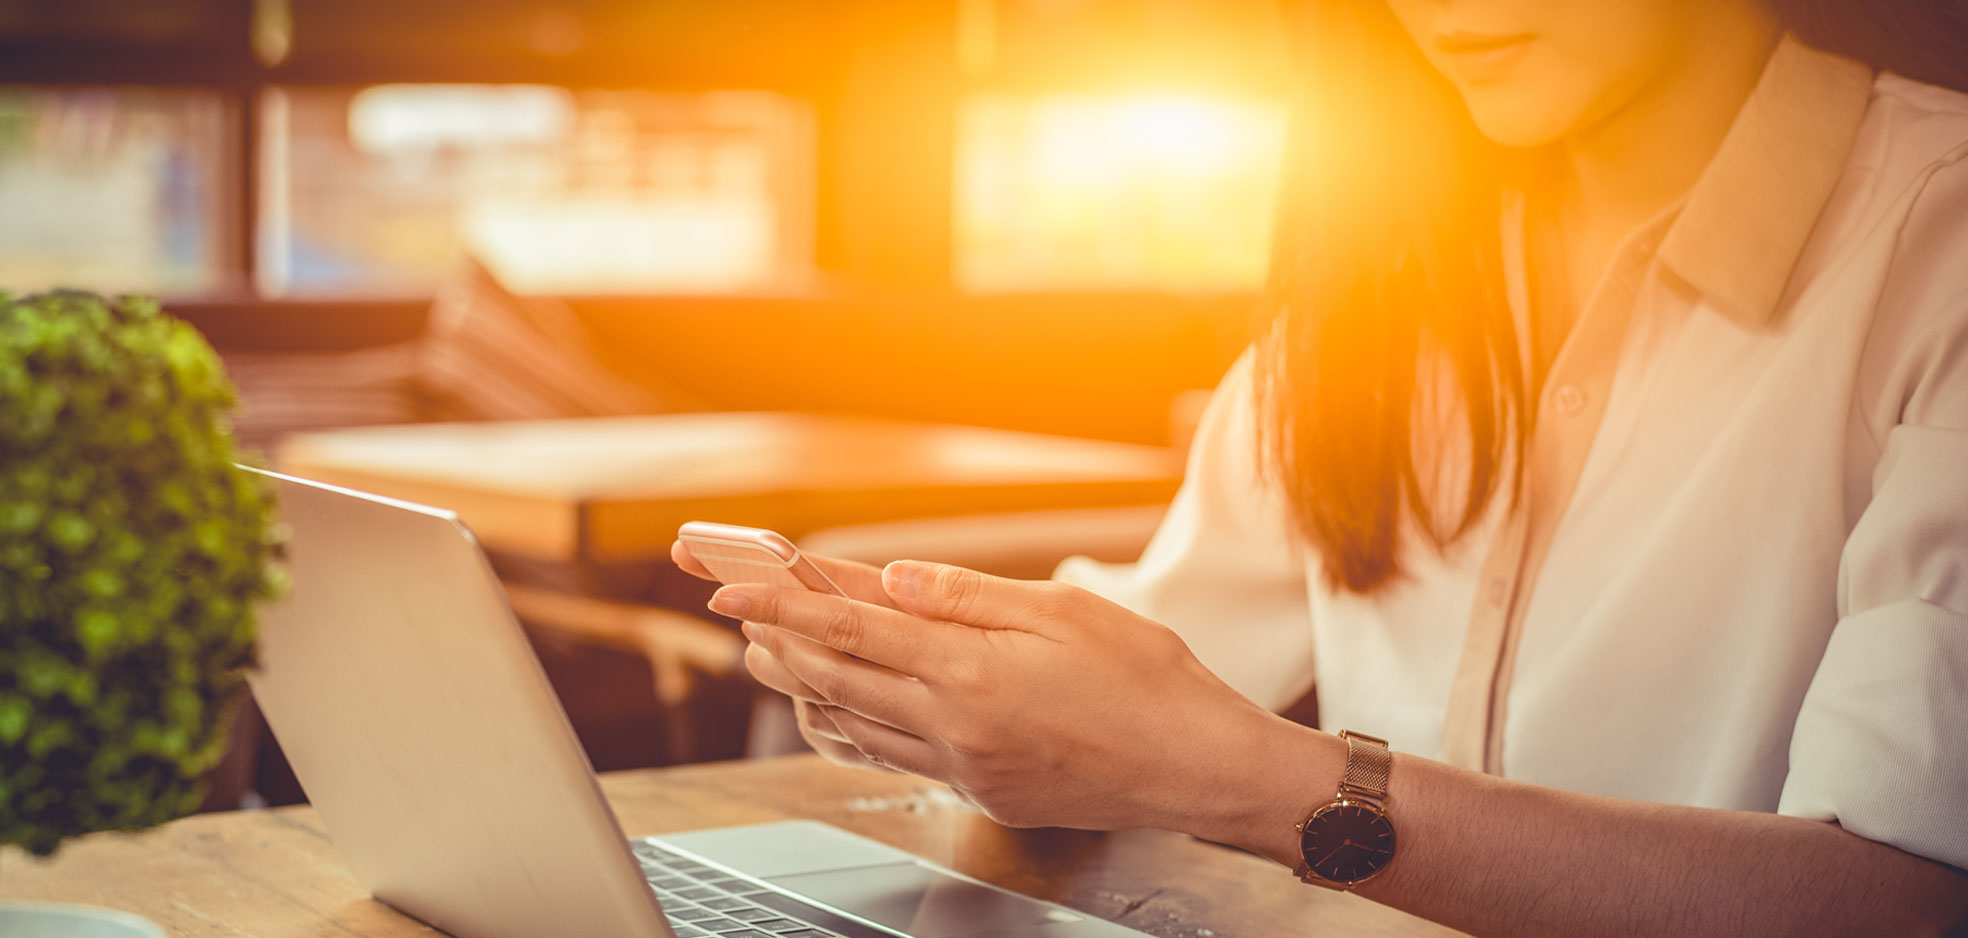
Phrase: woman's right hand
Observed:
(859, 581)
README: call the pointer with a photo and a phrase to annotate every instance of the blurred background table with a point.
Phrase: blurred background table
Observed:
(615, 489)
(274, 874)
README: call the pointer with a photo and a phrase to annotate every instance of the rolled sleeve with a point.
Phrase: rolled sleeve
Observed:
(1881, 742)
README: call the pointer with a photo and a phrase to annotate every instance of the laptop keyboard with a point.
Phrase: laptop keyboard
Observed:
(705, 902)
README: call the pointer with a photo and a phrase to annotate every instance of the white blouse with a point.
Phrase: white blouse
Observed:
(1738, 574)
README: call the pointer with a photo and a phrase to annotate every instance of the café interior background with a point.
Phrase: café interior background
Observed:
(1039, 215)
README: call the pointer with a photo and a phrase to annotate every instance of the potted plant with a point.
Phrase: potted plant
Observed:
(132, 551)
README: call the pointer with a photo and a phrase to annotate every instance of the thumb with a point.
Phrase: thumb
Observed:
(963, 596)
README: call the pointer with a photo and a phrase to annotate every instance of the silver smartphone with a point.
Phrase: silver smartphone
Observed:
(735, 554)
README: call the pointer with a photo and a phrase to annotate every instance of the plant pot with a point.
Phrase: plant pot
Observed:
(47, 920)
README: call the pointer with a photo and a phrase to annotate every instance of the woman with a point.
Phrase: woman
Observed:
(1640, 531)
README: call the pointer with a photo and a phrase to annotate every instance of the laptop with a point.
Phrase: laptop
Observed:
(421, 726)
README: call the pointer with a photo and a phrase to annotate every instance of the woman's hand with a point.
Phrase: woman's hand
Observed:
(858, 580)
(816, 717)
(1039, 702)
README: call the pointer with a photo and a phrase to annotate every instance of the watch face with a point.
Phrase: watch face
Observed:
(1347, 842)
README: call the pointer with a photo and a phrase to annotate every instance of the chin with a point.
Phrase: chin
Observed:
(1512, 122)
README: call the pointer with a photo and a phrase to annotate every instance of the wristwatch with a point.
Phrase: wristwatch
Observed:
(1349, 839)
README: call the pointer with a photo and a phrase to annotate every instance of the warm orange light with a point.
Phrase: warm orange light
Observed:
(1191, 135)
(1145, 191)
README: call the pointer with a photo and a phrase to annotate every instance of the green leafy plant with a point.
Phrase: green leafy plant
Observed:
(132, 551)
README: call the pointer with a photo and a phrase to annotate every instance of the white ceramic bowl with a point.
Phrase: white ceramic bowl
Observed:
(46, 920)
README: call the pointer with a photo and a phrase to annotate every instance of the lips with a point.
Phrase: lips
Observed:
(1479, 57)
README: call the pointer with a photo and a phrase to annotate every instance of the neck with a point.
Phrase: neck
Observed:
(1636, 161)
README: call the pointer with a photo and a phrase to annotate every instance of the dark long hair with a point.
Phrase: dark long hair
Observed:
(1391, 357)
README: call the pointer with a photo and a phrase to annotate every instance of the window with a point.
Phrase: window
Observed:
(1103, 192)
(378, 189)
(325, 149)
(113, 188)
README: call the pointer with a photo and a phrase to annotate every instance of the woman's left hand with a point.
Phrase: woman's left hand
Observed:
(1041, 703)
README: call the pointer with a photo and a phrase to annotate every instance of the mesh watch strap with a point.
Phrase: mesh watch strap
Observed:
(1368, 763)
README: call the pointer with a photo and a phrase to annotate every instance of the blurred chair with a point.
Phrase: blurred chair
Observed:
(490, 354)
(684, 652)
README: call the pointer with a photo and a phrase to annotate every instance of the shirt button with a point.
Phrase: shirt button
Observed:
(1569, 400)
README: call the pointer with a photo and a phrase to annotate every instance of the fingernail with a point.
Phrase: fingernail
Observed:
(750, 630)
(903, 580)
(735, 605)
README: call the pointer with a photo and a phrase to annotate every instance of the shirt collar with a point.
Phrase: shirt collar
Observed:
(1748, 216)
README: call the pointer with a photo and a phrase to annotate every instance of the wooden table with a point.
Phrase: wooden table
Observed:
(273, 874)
(615, 489)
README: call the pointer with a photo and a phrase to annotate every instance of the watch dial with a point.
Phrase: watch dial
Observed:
(1347, 842)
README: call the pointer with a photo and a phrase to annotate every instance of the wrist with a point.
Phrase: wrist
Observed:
(1276, 774)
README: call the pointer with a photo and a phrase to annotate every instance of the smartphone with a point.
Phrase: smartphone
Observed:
(752, 555)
